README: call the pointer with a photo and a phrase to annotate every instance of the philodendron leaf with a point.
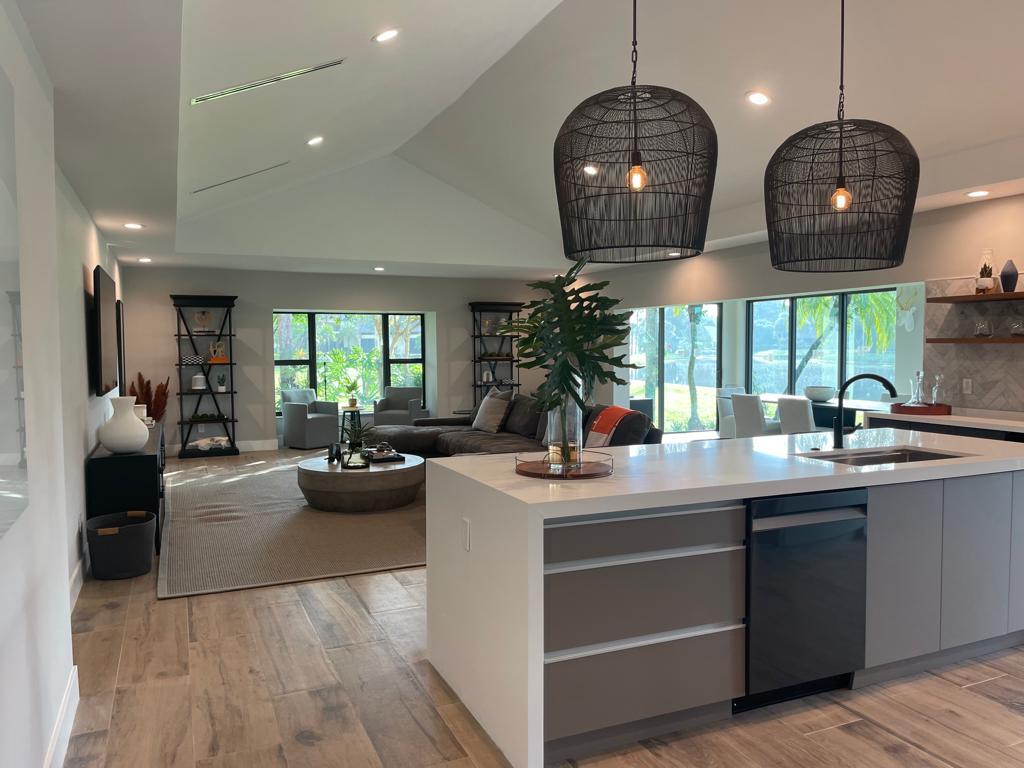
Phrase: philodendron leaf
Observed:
(570, 333)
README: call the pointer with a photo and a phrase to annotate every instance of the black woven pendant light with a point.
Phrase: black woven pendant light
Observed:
(634, 172)
(839, 196)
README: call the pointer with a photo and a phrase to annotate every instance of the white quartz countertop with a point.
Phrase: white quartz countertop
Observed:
(1006, 421)
(648, 476)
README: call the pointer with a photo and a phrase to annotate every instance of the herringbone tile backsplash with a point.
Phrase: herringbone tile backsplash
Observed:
(997, 370)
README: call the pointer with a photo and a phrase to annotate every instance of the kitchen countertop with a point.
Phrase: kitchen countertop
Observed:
(1006, 421)
(649, 476)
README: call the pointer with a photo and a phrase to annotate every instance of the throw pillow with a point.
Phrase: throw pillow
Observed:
(523, 416)
(493, 409)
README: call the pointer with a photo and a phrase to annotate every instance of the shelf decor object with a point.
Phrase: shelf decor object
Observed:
(1008, 277)
(634, 172)
(839, 195)
(205, 339)
(495, 363)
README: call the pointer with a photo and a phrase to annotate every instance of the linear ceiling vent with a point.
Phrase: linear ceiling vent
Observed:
(239, 178)
(265, 81)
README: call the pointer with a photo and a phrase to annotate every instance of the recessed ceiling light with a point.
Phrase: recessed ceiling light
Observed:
(316, 141)
(758, 98)
(590, 170)
(378, 269)
(132, 225)
(144, 260)
(978, 193)
(675, 253)
(387, 34)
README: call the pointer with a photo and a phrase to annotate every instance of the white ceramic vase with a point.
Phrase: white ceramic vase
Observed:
(124, 432)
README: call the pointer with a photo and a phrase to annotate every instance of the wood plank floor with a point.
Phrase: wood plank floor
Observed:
(334, 674)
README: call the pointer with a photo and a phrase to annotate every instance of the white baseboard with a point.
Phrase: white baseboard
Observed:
(76, 581)
(61, 735)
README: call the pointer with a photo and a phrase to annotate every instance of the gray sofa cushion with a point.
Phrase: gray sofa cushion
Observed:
(475, 441)
(523, 417)
(421, 441)
(493, 410)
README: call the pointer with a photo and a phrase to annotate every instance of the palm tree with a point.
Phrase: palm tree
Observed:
(874, 312)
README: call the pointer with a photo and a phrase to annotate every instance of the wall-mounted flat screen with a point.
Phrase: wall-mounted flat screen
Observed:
(105, 332)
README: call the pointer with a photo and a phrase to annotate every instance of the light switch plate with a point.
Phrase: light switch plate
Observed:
(467, 539)
(968, 386)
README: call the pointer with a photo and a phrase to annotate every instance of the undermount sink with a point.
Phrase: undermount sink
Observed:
(871, 457)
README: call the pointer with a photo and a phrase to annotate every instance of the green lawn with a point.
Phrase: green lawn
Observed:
(677, 406)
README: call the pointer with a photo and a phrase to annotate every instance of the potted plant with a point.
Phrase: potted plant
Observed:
(984, 282)
(357, 434)
(350, 386)
(571, 333)
(222, 382)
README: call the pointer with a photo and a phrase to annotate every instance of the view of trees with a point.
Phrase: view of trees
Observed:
(347, 346)
(688, 364)
(870, 328)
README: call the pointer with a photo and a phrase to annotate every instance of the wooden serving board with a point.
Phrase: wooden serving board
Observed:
(937, 409)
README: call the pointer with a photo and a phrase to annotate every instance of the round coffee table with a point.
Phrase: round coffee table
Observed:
(381, 486)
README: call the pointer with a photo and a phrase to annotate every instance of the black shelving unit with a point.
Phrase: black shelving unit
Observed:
(19, 371)
(494, 354)
(192, 343)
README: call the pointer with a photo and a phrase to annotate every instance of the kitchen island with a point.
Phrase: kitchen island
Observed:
(571, 615)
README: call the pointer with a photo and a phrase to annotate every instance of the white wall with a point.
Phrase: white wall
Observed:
(151, 348)
(38, 689)
(80, 250)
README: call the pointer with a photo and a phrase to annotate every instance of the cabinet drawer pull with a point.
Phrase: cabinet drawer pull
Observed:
(643, 557)
(567, 654)
(623, 517)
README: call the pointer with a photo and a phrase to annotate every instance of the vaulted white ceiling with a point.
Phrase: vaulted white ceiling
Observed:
(437, 150)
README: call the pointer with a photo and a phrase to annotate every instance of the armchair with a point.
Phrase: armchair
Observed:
(400, 405)
(308, 422)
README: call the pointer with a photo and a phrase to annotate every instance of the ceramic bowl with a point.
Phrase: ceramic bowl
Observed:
(819, 394)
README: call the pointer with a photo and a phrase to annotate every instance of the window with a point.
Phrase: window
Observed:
(870, 327)
(768, 339)
(333, 351)
(678, 348)
(804, 340)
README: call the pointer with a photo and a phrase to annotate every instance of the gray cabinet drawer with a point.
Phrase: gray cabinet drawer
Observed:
(612, 602)
(642, 533)
(605, 689)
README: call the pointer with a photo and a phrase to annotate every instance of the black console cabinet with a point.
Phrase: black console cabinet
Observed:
(119, 482)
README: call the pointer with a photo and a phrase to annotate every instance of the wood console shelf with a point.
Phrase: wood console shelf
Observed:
(973, 298)
(977, 340)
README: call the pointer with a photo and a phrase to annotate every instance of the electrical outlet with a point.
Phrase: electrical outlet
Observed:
(967, 385)
(467, 539)
(202, 429)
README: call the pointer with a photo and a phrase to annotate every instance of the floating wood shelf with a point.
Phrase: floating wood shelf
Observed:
(973, 298)
(978, 340)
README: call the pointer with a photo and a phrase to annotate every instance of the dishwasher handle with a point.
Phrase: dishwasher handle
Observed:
(775, 506)
(820, 517)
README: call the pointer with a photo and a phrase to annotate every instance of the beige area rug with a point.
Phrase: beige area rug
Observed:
(247, 524)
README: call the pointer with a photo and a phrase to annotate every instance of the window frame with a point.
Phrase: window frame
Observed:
(386, 360)
(842, 327)
(659, 422)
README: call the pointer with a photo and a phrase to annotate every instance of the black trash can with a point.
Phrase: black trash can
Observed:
(121, 544)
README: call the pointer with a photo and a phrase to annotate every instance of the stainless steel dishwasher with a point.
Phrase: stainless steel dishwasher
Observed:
(806, 562)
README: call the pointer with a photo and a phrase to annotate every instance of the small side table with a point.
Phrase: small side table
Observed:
(354, 418)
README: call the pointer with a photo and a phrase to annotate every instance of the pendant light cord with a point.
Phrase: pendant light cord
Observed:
(842, 59)
(841, 109)
(633, 58)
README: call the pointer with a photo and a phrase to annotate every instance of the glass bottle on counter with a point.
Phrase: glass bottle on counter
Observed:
(938, 391)
(917, 389)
